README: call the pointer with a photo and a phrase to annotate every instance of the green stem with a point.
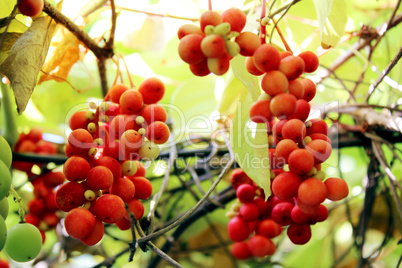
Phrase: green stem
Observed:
(10, 132)
(18, 199)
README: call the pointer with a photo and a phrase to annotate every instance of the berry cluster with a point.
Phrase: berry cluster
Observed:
(255, 222)
(210, 47)
(32, 143)
(103, 169)
(297, 149)
(42, 210)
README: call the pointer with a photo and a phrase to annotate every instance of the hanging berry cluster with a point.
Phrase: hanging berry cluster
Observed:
(298, 147)
(103, 169)
(210, 47)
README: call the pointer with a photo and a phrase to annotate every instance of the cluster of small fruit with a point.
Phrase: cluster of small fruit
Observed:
(42, 209)
(210, 47)
(32, 143)
(103, 169)
(23, 241)
(255, 222)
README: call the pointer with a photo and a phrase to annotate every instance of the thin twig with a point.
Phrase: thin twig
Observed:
(392, 179)
(110, 41)
(76, 30)
(282, 15)
(132, 245)
(386, 71)
(157, 14)
(190, 211)
(155, 249)
(156, 198)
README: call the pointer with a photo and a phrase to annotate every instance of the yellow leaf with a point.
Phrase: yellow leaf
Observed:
(63, 54)
(234, 89)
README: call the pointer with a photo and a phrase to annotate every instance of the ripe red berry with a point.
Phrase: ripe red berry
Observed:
(261, 246)
(248, 43)
(187, 29)
(152, 90)
(299, 234)
(131, 101)
(158, 132)
(260, 111)
(153, 112)
(70, 195)
(249, 211)
(190, 49)
(96, 234)
(79, 223)
(337, 189)
(311, 61)
(238, 229)
(292, 67)
(266, 58)
(76, 168)
(99, 178)
(274, 82)
(281, 213)
(240, 250)
(236, 18)
(285, 185)
(245, 193)
(116, 91)
(30, 7)
(143, 187)
(269, 228)
(300, 161)
(312, 192)
(136, 207)
(109, 208)
(210, 17)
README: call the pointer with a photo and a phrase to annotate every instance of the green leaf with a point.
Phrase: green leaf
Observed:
(332, 18)
(251, 152)
(234, 88)
(261, 156)
(26, 57)
(249, 80)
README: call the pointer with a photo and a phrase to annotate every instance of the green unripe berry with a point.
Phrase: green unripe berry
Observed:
(233, 48)
(90, 195)
(129, 168)
(149, 151)
(209, 29)
(91, 127)
(222, 29)
(320, 175)
(90, 115)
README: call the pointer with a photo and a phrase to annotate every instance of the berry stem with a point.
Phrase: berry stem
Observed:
(17, 198)
(128, 73)
(210, 5)
(282, 37)
(132, 245)
(263, 31)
